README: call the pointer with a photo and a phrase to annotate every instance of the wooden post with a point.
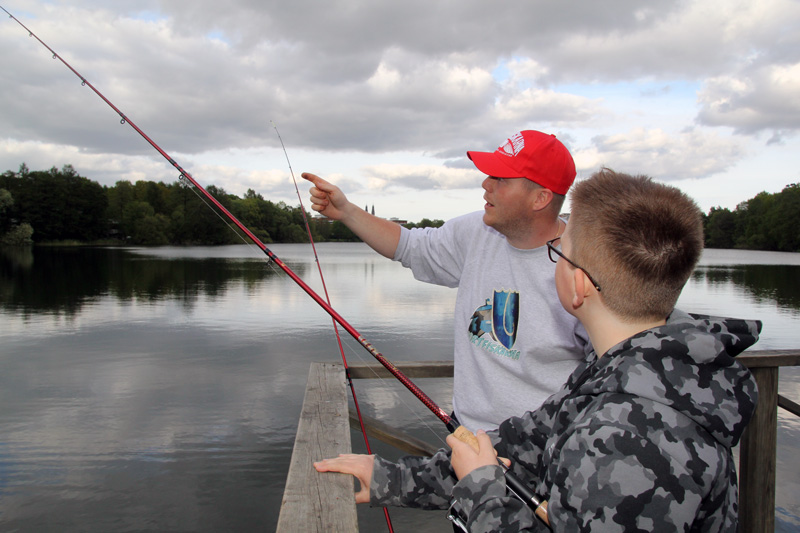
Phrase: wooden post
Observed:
(757, 457)
(313, 501)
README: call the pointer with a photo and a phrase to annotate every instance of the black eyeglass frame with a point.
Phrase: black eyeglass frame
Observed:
(552, 249)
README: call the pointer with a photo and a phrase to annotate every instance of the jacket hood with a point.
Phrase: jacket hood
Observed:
(687, 364)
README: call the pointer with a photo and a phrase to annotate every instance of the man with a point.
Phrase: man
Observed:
(514, 343)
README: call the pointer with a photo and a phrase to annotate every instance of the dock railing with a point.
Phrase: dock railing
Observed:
(324, 502)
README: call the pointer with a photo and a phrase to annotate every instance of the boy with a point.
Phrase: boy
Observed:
(639, 437)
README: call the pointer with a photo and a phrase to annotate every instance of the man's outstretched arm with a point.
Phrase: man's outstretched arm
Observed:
(327, 199)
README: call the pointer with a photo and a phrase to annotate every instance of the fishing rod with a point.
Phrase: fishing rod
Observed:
(185, 175)
(514, 483)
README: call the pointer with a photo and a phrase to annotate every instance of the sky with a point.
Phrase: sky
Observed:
(385, 98)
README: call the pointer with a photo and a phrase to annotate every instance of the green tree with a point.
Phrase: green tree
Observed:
(720, 228)
(60, 205)
(341, 233)
(754, 233)
(182, 204)
(251, 212)
(426, 223)
(18, 235)
(155, 194)
(6, 205)
(764, 222)
(12, 234)
(142, 224)
(782, 218)
(211, 226)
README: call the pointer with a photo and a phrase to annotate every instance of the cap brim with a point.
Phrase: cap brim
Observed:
(490, 164)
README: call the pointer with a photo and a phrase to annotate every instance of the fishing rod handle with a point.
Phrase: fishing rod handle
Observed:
(465, 435)
(524, 493)
(514, 484)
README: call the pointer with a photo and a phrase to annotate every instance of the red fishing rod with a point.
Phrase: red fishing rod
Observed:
(462, 433)
(184, 175)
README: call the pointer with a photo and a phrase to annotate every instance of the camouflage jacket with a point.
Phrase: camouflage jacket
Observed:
(637, 440)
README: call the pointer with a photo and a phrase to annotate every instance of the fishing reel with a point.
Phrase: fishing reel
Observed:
(515, 488)
(456, 517)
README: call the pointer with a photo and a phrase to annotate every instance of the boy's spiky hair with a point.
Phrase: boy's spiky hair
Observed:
(639, 239)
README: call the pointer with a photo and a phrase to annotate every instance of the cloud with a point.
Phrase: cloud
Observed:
(692, 154)
(114, 167)
(767, 99)
(544, 106)
(421, 177)
(673, 88)
(358, 75)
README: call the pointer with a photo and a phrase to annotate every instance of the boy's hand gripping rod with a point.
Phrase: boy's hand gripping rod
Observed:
(462, 433)
(514, 484)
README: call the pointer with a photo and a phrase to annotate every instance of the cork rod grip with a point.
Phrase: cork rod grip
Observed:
(465, 435)
(541, 512)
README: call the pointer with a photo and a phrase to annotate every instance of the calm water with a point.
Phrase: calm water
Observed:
(158, 389)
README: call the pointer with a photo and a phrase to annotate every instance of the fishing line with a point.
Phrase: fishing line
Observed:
(514, 483)
(335, 327)
(387, 385)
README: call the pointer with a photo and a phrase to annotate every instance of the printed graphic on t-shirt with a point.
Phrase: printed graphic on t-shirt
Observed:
(499, 317)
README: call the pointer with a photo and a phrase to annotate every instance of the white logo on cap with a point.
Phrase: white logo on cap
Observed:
(513, 146)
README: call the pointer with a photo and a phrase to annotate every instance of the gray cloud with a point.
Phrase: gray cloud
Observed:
(764, 99)
(668, 157)
(431, 78)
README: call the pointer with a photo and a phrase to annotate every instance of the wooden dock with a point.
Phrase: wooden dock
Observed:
(314, 502)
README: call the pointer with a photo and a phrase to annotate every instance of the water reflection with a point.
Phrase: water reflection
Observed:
(159, 388)
(775, 283)
(63, 280)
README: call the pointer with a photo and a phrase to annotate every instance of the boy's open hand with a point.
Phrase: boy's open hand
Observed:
(350, 463)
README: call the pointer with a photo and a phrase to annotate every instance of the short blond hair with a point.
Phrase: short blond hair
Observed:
(639, 239)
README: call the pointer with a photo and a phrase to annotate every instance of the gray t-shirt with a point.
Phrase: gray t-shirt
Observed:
(514, 343)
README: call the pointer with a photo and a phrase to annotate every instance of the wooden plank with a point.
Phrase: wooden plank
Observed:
(444, 369)
(412, 369)
(769, 358)
(791, 406)
(312, 501)
(757, 458)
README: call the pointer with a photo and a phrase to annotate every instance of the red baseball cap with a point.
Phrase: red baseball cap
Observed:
(534, 155)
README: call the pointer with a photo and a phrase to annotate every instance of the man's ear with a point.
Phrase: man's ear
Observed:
(542, 198)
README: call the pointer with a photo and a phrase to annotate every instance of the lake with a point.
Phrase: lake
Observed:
(158, 389)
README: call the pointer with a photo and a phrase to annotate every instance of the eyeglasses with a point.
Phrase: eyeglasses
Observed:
(551, 249)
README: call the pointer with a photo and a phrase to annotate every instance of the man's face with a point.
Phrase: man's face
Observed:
(508, 206)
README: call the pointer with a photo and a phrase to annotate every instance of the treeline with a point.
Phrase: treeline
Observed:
(59, 205)
(765, 222)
